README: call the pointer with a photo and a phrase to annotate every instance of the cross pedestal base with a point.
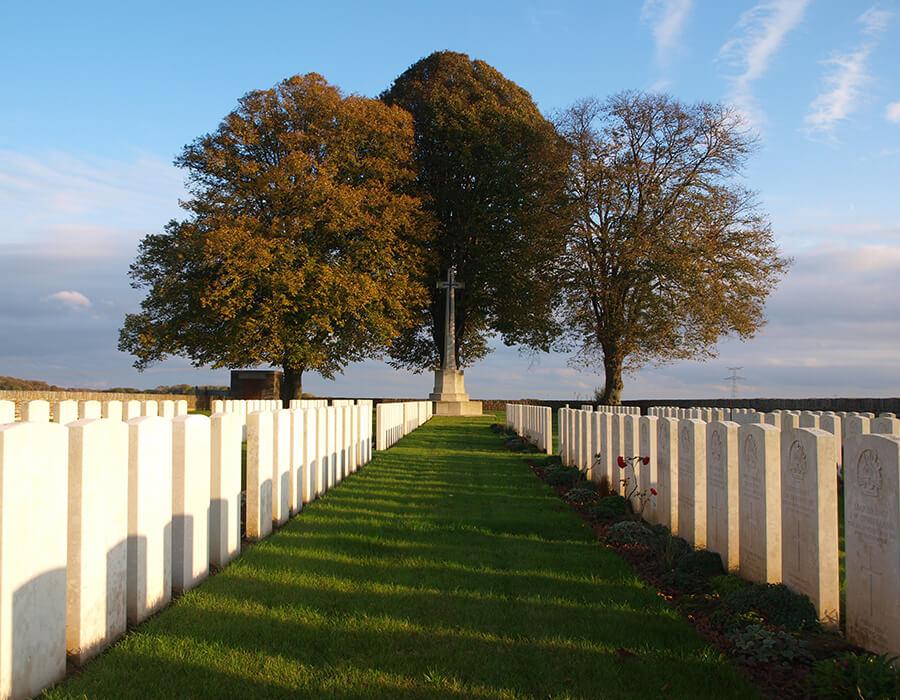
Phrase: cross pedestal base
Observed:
(450, 395)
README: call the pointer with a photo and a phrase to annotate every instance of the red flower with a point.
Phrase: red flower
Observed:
(621, 462)
(653, 491)
(645, 460)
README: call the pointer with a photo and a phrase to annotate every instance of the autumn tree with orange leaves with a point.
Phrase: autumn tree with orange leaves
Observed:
(303, 243)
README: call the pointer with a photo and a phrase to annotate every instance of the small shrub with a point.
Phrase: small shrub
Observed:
(756, 644)
(562, 476)
(609, 508)
(727, 584)
(701, 562)
(581, 494)
(630, 532)
(777, 603)
(603, 487)
(856, 676)
(686, 582)
(670, 549)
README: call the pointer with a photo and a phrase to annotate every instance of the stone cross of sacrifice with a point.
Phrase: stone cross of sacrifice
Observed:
(450, 319)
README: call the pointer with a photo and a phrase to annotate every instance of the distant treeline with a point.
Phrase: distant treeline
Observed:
(16, 384)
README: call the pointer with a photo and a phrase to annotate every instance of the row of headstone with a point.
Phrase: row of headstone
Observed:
(633, 410)
(65, 412)
(394, 420)
(102, 520)
(534, 423)
(764, 496)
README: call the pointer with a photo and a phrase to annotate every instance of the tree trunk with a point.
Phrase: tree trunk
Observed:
(291, 385)
(612, 390)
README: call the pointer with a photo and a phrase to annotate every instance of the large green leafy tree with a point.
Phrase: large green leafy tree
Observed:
(303, 247)
(668, 251)
(492, 173)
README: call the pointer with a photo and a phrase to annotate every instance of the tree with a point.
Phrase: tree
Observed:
(303, 244)
(668, 252)
(492, 173)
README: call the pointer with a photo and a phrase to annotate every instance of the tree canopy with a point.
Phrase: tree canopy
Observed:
(491, 170)
(303, 245)
(668, 252)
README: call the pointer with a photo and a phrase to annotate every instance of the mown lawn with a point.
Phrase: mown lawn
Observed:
(444, 569)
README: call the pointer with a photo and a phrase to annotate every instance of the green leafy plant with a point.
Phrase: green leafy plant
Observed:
(670, 549)
(727, 584)
(603, 486)
(562, 476)
(609, 508)
(862, 676)
(701, 562)
(686, 582)
(581, 494)
(630, 532)
(777, 603)
(757, 644)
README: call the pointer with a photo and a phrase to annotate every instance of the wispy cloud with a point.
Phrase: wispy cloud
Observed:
(763, 29)
(71, 300)
(667, 18)
(846, 77)
(892, 113)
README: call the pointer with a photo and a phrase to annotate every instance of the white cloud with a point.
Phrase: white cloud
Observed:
(71, 299)
(846, 77)
(892, 112)
(764, 28)
(54, 202)
(667, 18)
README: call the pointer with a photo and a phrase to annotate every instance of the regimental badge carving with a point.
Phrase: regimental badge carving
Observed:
(797, 465)
(751, 454)
(868, 473)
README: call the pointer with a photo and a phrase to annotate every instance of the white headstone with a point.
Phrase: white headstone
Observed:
(649, 477)
(692, 481)
(885, 425)
(149, 580)
(36, 411)
(809, 517)
(260, 460)
(64, 412)
(225, 488)
(97, 568)
(191, 478)
(33, 481)
(7, 412)
(872, 535)
(296, 481)
(722, 501)
(132, 409)
(150, 408)
(89, 410)
(281, 467)
(309, 459)
(112, 410)
(759, 478)
(322, 460)
(667, 472)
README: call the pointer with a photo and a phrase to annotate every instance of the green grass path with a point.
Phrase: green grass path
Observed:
(444, 569)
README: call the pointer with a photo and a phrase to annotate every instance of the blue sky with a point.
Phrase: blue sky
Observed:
(98, 98)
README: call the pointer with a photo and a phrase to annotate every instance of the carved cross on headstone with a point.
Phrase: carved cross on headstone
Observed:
(451, 285)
